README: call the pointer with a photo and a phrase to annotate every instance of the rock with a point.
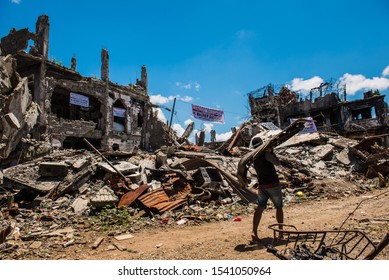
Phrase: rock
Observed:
(124, 236)
(80, 205)
(343, 157)
(320, 165)
(161, 159)
(323, 152)
(12, 120)
(5, 82)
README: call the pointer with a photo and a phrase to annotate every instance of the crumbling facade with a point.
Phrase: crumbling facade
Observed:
(353, 119)
(73, 107)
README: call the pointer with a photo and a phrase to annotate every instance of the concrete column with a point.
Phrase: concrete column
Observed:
(42, 35)
(144, 78)
(104, 65)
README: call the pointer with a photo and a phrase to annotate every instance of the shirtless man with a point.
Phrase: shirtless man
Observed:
(268, 186)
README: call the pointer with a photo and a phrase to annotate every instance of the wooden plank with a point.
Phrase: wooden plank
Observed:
(97, 242)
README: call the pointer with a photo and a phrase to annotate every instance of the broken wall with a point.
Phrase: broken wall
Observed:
(51, 84)
(18, 113)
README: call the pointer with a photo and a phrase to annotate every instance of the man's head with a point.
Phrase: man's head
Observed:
(256, 142)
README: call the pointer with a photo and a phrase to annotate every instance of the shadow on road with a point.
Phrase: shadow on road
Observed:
(253, 246)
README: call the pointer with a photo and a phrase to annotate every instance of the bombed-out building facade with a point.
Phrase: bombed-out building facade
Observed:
(331, 111)
(73, 107)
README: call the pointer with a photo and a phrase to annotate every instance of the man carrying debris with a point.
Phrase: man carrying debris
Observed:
(268, 185)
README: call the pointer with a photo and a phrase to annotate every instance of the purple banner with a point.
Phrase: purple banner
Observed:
(207, 114)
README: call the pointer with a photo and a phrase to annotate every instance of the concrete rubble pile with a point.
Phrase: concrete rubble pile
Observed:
(54, 197)
(18, 113)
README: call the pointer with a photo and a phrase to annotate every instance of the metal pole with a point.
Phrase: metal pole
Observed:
(104, 158)
(171, 116)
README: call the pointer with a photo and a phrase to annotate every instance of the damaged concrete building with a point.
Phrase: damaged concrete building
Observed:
(330, 111)
(73, 107)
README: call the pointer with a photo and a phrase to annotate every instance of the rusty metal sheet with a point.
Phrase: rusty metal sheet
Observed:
(131, 196)
(159, 200)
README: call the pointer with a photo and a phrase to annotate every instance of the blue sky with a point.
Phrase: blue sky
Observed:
(212, 53)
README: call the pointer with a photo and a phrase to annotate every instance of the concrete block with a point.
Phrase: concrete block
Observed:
(343, 157)
(124, 167)
(323, 152)
(12, 120)
(5, 82)
(105, 196)
(53, 169)
(80, 204)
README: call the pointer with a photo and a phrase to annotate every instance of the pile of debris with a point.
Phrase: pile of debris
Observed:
(18, 113)
(67, 191)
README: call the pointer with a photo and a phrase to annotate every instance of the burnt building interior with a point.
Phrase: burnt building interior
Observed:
(331, 111)
(73, 107)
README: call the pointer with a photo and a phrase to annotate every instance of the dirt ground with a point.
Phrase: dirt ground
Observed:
(230, 240)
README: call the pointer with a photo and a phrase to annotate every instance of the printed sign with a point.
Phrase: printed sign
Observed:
(309, 126)
(207, 114)
(78, 99)
(119, 112)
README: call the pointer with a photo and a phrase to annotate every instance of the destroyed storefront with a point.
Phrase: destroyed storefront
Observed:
(354, 119)
(72, 107)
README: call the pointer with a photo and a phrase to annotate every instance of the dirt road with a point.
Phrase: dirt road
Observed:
(230, 239)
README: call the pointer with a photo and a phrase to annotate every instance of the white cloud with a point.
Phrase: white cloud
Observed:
(223, 136)
(208, 127)
(189, 85)
(386, 71)
(197, 86)
(178, 128)
(160, 114)
(188, 121)
(358, 82)
(186, 99)
(158, 99)
(299, 84)
(16, 1)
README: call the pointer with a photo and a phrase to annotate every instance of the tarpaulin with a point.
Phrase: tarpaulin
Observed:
(207, 114)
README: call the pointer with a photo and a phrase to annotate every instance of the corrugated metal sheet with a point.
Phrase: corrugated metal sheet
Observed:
(158, 199)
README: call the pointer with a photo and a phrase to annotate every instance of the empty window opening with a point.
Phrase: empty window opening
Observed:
(139, 105)
(362, 113)
(319, 118)
(75, 106)
(119, 116)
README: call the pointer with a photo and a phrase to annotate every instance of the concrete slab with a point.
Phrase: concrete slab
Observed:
(80, 204)
(123, 166)
(53, 169)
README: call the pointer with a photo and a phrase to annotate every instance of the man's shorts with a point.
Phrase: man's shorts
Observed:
(273, 193)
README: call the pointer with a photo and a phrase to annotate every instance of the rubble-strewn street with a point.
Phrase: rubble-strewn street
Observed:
(67, 201)
(87, 170)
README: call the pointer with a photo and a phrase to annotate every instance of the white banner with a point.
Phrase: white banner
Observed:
(78, 99)
(207, 114)
(119, 112)
(309, 126)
